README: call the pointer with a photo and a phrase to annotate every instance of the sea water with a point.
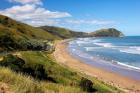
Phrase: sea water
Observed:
(116, 54)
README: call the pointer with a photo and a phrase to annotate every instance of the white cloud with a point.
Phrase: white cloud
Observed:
(43, 22)
(27, 1)
(30, 12)
(33, 14)
(90, 22)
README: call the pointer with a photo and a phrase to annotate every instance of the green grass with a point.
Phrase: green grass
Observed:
(53, 70)
(61, 79)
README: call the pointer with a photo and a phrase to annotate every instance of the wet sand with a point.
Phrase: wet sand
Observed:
(63, 57)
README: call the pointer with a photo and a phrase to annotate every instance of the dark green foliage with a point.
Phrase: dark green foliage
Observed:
(7, 41)
(36, 45)
(19, 65)
(12, 62)
(87, 85)
(37, 72)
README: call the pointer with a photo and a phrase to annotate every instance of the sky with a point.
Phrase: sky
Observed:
(78, 15)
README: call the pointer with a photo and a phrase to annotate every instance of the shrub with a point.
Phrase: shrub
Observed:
(87, 85)
(13, 62)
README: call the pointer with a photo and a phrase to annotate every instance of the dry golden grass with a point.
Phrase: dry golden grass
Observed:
(19, 83)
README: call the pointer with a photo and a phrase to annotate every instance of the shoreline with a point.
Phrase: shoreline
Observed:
(114, 67)
(64, 57)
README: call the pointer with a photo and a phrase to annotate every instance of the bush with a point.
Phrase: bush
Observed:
(87, 85)
(13, 62)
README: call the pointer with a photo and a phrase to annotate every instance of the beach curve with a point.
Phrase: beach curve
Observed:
(63, 57)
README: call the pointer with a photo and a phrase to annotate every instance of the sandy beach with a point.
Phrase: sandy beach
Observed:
(63, 57)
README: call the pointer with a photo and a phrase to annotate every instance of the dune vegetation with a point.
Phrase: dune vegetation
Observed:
(37, 72)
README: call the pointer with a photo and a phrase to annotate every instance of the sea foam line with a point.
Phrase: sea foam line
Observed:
(129, 66)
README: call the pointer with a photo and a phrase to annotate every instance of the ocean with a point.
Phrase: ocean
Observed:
(120, 55)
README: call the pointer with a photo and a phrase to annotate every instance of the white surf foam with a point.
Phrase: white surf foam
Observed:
(125, 49)
(96, 40)
(81, 42)
(128, 66)
(136, 47)
(131, 50)
(107, 45)
(91, 48)
(84, 39)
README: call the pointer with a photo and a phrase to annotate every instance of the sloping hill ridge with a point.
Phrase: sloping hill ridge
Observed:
(63, 32)
(18, 28)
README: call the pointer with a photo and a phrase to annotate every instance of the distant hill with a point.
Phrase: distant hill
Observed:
(66, 33)
(63, 32)
(110, 32)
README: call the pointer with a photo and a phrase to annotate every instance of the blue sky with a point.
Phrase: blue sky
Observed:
(80, 15)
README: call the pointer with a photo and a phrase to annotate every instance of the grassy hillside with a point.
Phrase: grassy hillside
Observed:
(63, 32)
(17, 35)
(41, 74)
(110, 32)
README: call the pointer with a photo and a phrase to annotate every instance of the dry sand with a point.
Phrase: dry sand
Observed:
(62, 56)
